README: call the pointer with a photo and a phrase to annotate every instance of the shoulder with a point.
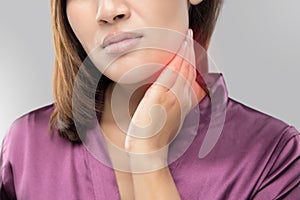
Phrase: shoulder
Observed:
(27, 150)
(263, 150)
(29, 130)
(248, 132)
(251, 120)
(31, 122)
(36, 116)
(269, 150)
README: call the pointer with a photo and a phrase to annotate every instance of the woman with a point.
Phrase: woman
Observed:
(186, 140)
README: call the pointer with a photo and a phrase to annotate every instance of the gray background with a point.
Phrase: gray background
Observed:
(255, 45)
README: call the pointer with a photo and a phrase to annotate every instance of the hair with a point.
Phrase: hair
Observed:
(70, 55)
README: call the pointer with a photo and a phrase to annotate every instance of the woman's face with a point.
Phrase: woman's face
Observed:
(100, 25)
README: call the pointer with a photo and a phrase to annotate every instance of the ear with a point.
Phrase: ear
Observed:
(195, 2)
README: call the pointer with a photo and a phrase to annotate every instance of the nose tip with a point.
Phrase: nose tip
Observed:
(111, 20)
(111, 12)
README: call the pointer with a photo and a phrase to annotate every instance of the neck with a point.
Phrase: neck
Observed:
(124, 99)
(120, 98)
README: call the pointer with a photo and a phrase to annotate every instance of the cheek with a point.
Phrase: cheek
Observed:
(172, 14)
(78, 16)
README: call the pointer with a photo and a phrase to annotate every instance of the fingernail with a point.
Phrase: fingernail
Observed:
(190, 33)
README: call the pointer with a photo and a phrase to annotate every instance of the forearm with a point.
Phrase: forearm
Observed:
(151, 176)
(158, 185)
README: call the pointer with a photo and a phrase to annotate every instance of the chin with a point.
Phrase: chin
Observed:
(141, 66)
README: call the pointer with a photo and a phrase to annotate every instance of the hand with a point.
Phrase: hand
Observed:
(160, 114)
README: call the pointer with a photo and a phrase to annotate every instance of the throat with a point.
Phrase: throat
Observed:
(121, 101)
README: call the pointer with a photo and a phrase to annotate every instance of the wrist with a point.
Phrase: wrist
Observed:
(148, 162)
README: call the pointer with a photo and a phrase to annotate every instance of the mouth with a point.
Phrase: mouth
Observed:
(120, 42)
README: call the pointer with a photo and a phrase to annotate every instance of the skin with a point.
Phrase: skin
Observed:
(91, 21)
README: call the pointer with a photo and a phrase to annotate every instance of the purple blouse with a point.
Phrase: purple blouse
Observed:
(255, 157)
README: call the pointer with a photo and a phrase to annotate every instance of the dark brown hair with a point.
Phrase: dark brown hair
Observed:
(69, 56)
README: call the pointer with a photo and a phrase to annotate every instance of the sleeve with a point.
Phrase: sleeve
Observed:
(282, 180)
(7, 190)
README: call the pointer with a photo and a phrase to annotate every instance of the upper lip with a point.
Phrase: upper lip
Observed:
(118, 37)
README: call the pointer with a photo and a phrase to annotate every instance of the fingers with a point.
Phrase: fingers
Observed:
(184, 88)
(180, 74)
(190, 60)
(187, 71)
(169, 75)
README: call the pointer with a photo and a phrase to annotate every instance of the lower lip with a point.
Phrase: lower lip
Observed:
(121, 47)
